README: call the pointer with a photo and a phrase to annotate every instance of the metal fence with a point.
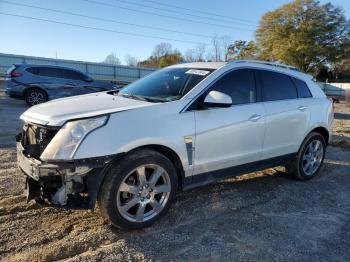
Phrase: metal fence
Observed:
(101, 71)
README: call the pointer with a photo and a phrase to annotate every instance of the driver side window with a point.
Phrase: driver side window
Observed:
(239, 84)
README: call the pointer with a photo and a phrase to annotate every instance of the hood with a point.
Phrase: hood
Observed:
(57, 112)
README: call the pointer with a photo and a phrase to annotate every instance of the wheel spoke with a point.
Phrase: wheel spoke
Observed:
(316, 146)
(124, 187)
(155, 176)
(140, 212)
(129, 204)
(161, 189)
(155, 205)
(141, 175)
(307, 166)
(306, 157)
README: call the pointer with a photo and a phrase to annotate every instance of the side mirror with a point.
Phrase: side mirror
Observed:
(217, 99)
(89, 79)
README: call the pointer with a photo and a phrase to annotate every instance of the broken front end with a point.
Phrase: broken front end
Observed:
(45, 155)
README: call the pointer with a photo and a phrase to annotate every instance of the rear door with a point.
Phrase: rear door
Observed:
(287, 117)
(227, 137)
(76, 81)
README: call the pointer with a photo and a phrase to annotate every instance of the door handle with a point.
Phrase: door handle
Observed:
(302, 108)
(254, 118)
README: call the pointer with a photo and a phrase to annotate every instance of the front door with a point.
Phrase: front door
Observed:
(233, 136)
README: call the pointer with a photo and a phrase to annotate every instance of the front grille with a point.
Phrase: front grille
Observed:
(35, 138)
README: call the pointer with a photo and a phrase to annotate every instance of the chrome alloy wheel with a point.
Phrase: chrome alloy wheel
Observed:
(143, 193)
(312, 157)
(36, 97)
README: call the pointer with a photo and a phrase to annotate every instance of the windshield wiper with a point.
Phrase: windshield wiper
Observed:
(142, 98)
(133, 96)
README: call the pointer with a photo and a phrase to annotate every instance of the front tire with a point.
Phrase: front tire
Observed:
(35, 96)
(309, 159)
(138, 189)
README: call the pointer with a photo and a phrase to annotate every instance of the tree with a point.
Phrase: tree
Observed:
(243, 50)
(305, 34)
(195, 54)
(162, 49)
(112, 59)
(130, 60)
(163, 55)
(219, 50)
(170, 59)
(215, 41)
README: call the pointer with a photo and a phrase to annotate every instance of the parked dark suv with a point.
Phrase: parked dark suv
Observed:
(39, 83)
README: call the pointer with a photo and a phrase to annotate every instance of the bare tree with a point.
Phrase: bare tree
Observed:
(162, 49)
(190, 56)
(130, 60)
(216, 45)
(199, 52)
(225, 43)
(219, 49)
(112, 59)
(196, 54)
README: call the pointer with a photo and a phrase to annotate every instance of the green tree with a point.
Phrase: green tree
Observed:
(304, 33)
(171, 59)
(243, 50)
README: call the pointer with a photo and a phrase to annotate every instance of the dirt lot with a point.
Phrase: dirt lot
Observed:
(259, 216)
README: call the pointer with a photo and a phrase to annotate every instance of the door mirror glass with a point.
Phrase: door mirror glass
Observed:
(217, 99)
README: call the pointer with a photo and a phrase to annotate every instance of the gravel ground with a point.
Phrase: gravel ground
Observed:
(259, 216)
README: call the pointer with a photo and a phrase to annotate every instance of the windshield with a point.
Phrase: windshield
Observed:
(165, 85)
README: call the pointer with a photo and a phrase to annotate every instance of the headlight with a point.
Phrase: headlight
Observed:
(66, 141)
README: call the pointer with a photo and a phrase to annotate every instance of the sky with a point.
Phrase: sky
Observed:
(123, 26)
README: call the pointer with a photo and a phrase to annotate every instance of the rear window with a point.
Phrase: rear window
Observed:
(49, 71)
(33, 70)
(45, 71)
(302, 88)
(277, 86)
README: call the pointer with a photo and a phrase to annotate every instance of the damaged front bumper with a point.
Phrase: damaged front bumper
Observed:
(59, 181)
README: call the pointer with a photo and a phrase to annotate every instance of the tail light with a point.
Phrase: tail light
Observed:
(15, 74)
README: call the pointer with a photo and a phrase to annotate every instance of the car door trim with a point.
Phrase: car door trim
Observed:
(233, 171)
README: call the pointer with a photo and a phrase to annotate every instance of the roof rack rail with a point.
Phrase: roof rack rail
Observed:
(276, 64)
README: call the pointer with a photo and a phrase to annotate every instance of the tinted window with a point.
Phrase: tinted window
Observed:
(33, 70)
(49, 71)
(70, 74)
(239, 84)
(277, 86)
(302, 88)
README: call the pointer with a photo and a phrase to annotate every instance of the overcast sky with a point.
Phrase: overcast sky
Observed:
(20, 35)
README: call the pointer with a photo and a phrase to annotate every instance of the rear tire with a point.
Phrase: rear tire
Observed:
(309, 159)
(35, 96)
(138, 189)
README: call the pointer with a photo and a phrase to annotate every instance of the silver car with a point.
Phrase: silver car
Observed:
(39, 83)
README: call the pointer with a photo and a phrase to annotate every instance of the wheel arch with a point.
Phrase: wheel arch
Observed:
(171, 155)
(95, 179)
(322, 131)
(35, 87)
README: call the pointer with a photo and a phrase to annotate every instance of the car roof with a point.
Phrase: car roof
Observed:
(200, 65)
(45, 65)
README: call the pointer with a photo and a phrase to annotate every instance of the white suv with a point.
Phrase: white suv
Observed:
(181, 127)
